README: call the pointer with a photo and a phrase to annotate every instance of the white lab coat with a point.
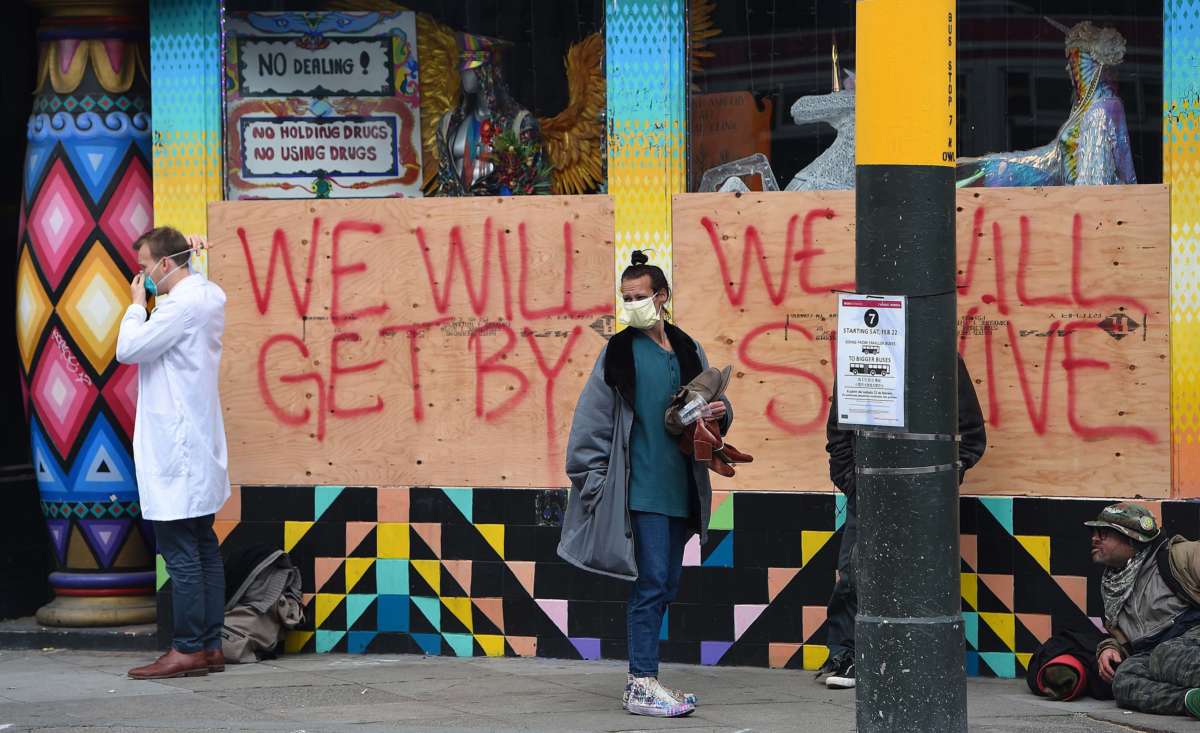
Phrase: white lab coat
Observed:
(179, 437)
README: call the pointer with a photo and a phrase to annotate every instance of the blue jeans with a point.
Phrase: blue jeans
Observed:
(658, 542)
(193, 557)
(843, 603)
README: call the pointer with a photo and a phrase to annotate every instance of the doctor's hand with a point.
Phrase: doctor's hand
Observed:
(137, 289)
(197, 241)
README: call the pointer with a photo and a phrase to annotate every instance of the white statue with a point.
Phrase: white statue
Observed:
(831, 170)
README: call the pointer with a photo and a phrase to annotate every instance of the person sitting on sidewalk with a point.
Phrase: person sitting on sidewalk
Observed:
(1151, 593)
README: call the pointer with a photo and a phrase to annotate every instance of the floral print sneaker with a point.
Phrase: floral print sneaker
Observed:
(645, 696)
(681, 696)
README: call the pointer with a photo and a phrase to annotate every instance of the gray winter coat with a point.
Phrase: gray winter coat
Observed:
(596, 532)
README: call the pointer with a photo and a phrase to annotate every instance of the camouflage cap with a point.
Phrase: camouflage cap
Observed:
(1132, 520)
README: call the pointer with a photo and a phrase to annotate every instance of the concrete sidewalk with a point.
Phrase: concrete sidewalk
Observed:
(69, 690)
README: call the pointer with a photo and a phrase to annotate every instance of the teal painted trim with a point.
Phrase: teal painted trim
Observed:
(463, 499)
(971, 628)
(1004, 664)
(431, 608)
(185, 65)
(323, 497)
(646, 57)
(1001, 508)
(327, 640)
(462, 644)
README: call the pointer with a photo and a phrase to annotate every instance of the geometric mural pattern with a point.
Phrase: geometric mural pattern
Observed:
(87, 103)
(86, 197)
(474, 572)
(62, 392)
(59, 221)
(95, 509)
(129, 211)
(33, 309)
(91, 306)
(120, 396)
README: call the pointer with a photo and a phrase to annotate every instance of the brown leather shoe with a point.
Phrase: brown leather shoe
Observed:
(720, 467)
(706, 438)
(172, 664)
(729, 454)
(215, 658)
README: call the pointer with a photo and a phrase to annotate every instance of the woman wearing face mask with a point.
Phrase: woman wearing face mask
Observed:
(635, 498)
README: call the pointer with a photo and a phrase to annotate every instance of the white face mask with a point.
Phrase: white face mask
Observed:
(640, 314)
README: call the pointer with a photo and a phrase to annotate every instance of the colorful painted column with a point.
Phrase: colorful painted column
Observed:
(1181, 170)
(86, 198)
(646, 52)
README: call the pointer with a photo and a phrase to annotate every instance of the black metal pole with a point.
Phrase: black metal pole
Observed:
(909, 629)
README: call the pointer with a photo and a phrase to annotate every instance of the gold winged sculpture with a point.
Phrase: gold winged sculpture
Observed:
(700, 29)
(573, 138)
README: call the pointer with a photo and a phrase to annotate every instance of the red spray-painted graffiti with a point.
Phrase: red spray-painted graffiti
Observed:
(480, 287)
(810, 384)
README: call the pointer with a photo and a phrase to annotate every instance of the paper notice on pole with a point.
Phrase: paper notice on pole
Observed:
(870, 360)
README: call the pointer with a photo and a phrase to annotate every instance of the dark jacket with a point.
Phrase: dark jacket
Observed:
(596, 535)
(840, 443)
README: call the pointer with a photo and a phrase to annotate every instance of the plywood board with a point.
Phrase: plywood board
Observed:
(409, 341)
(1063, 322)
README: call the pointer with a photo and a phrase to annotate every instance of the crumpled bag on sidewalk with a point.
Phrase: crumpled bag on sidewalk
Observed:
(262, 607)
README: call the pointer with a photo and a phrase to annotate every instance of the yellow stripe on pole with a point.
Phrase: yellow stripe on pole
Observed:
(904, 82)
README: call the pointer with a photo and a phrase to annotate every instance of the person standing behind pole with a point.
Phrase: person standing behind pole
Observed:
(635, 499)
(838, 671)
(179, 441)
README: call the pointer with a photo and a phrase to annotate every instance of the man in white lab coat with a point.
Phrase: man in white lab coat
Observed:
(179, 440)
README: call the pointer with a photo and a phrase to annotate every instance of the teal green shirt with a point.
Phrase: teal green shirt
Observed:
(658, 480)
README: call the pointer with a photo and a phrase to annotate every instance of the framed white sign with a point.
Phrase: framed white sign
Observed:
(870, 360)
(322, 105)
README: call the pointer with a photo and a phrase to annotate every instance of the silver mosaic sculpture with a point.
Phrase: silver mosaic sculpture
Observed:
(834, 168)
(831, 170)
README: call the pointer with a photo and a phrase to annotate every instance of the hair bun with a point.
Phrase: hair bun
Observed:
(638, 257)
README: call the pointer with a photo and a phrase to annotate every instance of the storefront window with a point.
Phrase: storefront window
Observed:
(1016, 93)
(767, 104)
(480, 102)
(767, 56)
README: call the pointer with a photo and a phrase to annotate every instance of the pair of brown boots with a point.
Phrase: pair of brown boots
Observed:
(702, 439)
(181, 664)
